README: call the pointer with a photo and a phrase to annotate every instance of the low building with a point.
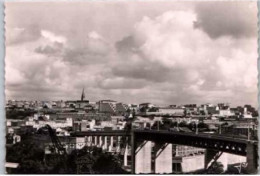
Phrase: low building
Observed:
(121, 108)
(171, 111)
(87, 125)
(226, 112)
(107, 106)
(166, 111)
(116, 119)
(62, 132)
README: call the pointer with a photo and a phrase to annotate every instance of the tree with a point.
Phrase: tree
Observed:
(96, 161)
(28, 155)
(16, 114)
(166, 123)
(148, 125)
(31, 167)
(173, 124)
(24, 150)
(203, 125)
(32, 160)
(233, 170)
(134, 113)
(107, 164)
(183, 124)
(192, 126)
(216, 168)
(254, 113)
(157, 124)
(143, 109)
(43, 131)
(128, 125)
(153, 109)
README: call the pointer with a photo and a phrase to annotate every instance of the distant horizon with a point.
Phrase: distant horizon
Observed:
(64, 100)
(133, 51)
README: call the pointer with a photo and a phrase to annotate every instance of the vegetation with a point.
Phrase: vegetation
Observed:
(217, 168)
(17, 114)
(32, 160)
(29, 156)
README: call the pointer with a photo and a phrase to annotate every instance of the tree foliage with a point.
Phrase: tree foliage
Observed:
(32, 160)
(28, 155)
(17, 114)
(217, 168)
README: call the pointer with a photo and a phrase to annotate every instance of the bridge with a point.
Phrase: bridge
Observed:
(141, 142)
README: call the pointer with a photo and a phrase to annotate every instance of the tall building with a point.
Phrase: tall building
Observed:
(79, 104)
(82, 95)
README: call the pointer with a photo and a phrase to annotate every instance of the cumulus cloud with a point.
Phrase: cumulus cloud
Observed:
(32, 71)
(169, 49)
(91, 49)
(164, 51)
(236, 19)
(122, 83)
(17, 35)
(40, 68)
(163, 59)
(51, 44)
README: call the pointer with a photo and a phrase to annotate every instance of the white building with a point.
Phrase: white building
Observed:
(226, 112)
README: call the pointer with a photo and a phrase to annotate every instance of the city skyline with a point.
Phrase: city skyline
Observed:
(162, 53)
(133, 103)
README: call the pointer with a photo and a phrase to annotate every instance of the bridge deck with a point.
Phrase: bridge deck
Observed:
(199, 135)
(208, 141)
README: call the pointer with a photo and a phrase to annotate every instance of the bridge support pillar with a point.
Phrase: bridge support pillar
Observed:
(143, 158)
(163, 158)
(110, 148)
(126, 155)
(95, 141)
(209, 156)
(118, 142)
(252, 158)
(104, 147)
(91, 140)
(100, 144)
(87, 140)
(212, 156)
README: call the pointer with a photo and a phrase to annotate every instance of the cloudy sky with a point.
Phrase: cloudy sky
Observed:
(164, 52)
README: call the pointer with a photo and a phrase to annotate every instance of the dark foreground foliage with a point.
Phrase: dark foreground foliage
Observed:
(89, 160)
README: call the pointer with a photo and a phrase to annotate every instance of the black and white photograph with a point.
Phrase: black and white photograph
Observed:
(131, 87)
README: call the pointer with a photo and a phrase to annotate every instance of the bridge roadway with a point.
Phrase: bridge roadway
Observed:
(229, 144)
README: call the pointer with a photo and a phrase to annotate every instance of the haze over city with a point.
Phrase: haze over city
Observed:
(172, 54)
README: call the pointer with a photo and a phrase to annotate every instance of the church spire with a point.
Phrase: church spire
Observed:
(82, 95)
